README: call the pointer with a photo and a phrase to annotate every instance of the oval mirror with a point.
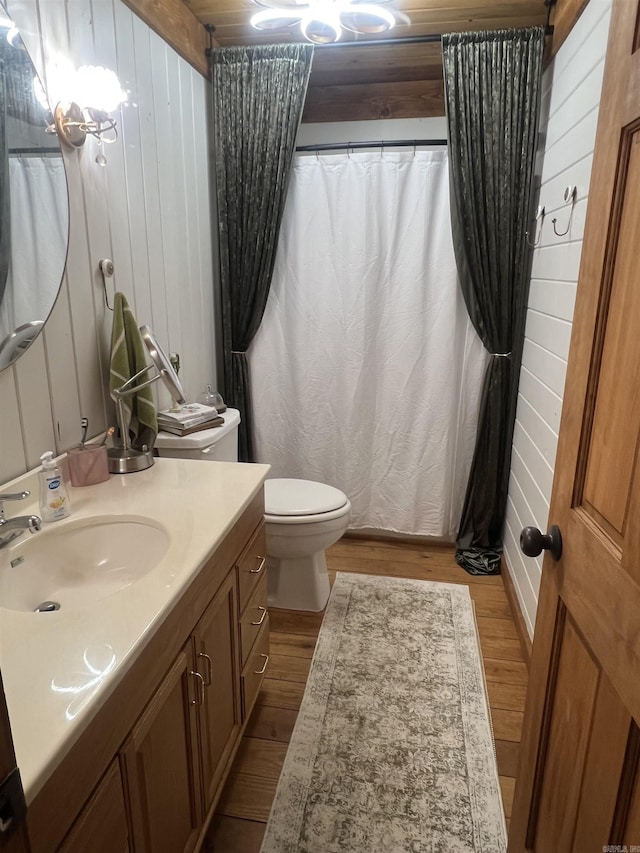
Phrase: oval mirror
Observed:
(34, 204)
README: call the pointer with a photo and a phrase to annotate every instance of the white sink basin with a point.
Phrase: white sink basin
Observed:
(80, 562)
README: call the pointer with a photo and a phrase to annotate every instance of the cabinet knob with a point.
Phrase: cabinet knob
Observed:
(533, 542)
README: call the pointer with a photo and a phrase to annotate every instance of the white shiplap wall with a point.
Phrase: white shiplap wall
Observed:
(572, 86)
(148, 210)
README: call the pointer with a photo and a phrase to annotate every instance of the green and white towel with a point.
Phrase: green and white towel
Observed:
(128, 357)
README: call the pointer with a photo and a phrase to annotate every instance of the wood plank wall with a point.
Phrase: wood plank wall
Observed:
(147, 210)
(572, 86)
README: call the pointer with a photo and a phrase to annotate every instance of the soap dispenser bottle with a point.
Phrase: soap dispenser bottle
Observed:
(54, 499)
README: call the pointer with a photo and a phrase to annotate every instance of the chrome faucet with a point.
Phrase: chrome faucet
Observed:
(11, 528)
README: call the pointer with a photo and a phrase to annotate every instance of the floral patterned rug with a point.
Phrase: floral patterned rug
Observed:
(392, 749)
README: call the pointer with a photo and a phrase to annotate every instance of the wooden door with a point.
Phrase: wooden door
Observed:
(161, 766)
(578, 784)
(217, 660)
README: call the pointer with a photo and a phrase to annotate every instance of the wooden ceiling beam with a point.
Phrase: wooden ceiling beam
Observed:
(178, 26)
(564, 15)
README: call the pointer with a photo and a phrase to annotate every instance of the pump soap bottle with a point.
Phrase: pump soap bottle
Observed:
(54, 499)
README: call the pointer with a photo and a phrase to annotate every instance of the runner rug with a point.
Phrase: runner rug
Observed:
(392, 749)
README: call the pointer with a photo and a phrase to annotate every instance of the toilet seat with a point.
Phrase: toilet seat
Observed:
(291, 501)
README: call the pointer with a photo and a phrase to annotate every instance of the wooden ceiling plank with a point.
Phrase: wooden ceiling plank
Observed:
(378, 101)
(407, 62)
(207, 10)
(369, 76)
(232, 21)
(238, 11)
(484, 8)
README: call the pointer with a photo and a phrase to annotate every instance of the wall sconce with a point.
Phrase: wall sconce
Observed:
(95, 94)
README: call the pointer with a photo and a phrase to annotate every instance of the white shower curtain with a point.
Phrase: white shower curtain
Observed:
(38, 187)
(366, 371)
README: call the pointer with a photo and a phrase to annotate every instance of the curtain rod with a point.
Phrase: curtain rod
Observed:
(351, 146)
(433, 37)
(430, 38)
(35, 152)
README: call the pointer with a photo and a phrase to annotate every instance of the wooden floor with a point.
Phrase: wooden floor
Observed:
(238, 826)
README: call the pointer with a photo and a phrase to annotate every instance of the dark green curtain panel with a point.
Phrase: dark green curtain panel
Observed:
(258, 96)
(492, 92)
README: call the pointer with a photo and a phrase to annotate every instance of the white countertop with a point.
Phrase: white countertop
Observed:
(59, 667)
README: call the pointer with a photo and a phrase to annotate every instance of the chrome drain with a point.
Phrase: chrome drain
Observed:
(47, 607)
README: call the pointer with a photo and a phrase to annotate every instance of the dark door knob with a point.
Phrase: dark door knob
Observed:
(533, 543)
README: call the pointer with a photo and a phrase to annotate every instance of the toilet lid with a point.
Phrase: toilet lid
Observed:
(301, 497)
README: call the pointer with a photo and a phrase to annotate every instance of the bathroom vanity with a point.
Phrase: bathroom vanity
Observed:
(127, 709)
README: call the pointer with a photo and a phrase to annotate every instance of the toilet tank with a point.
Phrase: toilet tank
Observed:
(219, 444)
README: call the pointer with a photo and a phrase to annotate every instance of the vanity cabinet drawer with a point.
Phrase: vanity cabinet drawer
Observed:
(254, 670)
(253, 617)
(102, 825)
(252, 565)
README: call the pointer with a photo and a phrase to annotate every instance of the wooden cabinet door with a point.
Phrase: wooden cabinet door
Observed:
(217, 660)
(15, 840)
(578, 785)
(101, 827)
(162, 769)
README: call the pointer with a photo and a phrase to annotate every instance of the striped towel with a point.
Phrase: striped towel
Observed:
(128, 356)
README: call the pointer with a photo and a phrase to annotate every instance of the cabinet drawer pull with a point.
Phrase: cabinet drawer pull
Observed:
(209, 675)
(257, 571)
(263, 670)
(262, 618)
(200, 699)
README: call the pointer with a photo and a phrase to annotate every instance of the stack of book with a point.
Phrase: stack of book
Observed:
(192, 417)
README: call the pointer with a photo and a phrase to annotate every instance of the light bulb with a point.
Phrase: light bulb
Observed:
(320, 25)
(97, 87)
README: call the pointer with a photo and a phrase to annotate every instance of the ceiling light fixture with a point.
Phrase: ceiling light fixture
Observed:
(322, 21)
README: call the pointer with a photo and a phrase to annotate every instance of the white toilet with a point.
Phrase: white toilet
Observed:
(302, 518)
